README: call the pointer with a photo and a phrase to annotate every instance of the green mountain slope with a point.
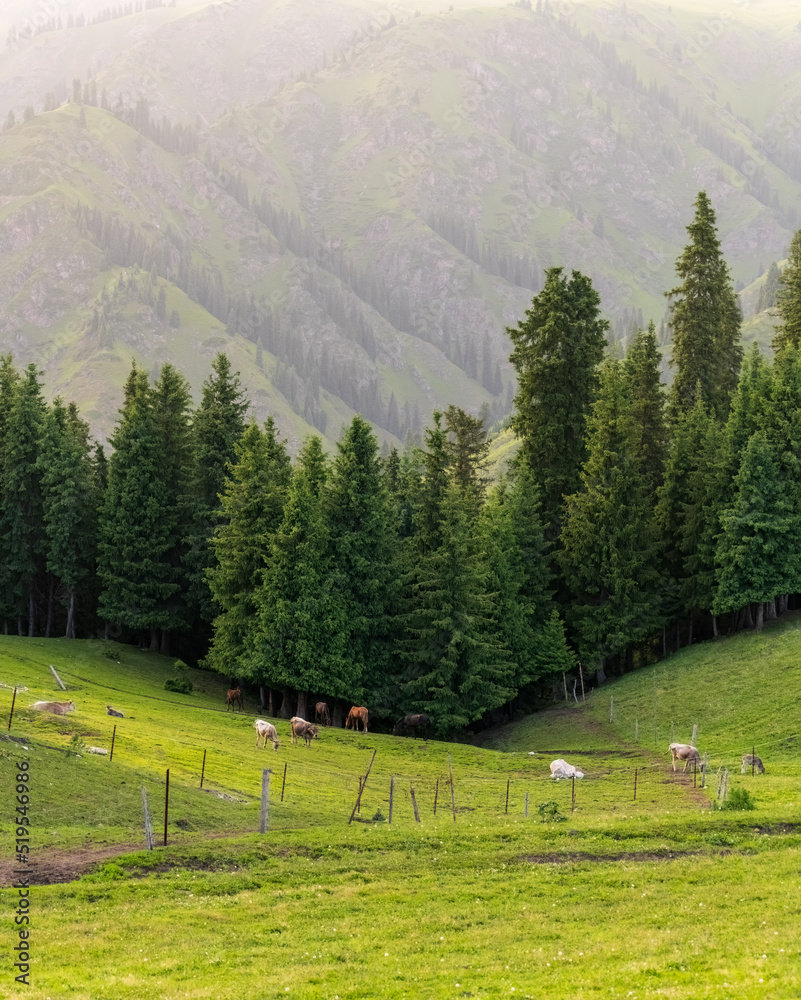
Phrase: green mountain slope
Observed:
(356, 202)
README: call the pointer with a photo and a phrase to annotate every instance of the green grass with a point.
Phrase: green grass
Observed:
(662, 896)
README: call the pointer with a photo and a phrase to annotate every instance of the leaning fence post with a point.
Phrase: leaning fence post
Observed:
(526, 805)
(581, 674)
(564, 680)
(111, 754)
(283, 783)
(11, 713)
(695, 734)
(363, 785)
(436, 793)
(148, 828)
(753, 761)
(60, 682)
(391, 795)
(507, 797)
(635, 784)
(453, 796)
(414, 803)
(203, 769)
(573, 797)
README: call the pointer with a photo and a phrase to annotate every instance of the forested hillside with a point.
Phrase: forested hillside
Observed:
(354, 202)
(633, 520)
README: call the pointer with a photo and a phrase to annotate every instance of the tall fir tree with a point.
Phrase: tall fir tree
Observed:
(788, 298)
(364, 557)
(609, 541)
(217, 425)
(705, 319)
(467, 448)
(648, 407)
(22, 534)
(557, 350)
(137, 523)
(757, 534)
(70, 508)
(252, 511)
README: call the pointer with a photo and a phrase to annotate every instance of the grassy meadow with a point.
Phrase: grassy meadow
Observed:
(512, 889)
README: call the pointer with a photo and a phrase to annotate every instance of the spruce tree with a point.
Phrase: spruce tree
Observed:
(22, 535)
(757, 534)
(557, 350)
(609, 541)
(364, 556)
(137, 522)
(217, 425)
(467, 449)
(705, 319)
(648, 407)
(788, 298)
(69, 507)
(252, 511)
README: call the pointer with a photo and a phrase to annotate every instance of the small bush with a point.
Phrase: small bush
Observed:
(178, 684)
(739, 798)
(549, 813)
(110, 654)
(180, 665)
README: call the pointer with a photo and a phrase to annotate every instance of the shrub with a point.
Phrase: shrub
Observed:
(180, 665)
(549, 813)
(110, 654)
(178, 684)
(739, 798)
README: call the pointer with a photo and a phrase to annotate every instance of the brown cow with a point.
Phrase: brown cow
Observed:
(321, 713)
(687, 753)
(355, 716)
(234, 698)
(300, 727)
(56, 707)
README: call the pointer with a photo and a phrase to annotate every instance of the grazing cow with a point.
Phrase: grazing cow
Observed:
(752, 761)
(302, 728)
(56, 707)
(114, 712)
(561, 769)
(266, 731)
(321, 713)
(234, 698)
(687, 753)
(412, 723)
(355, 716)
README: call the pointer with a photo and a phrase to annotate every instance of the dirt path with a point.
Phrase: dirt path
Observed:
(52, 866)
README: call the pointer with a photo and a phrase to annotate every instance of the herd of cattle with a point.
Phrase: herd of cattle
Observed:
(358, 718)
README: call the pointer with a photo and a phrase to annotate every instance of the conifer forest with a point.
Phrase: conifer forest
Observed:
(634, 518)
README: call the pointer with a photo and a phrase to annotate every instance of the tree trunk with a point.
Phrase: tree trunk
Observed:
(31, 615)
(746, 618)
(339, 714)
(105, 631)
(301, 712)
(69, 632)
(664, 643)
(783, 602)
(678, 637)
(286, 704)
(154, 640)
(165, 643)
(19, 624)
(770, 610)
(760, 616)
(715, 626)
(51, 594)
(690, 630)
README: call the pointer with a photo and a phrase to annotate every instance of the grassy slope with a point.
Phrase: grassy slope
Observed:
(658, 897)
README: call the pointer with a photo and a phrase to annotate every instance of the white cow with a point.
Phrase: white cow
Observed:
(266, 731)
(561, 769)
(687, 753)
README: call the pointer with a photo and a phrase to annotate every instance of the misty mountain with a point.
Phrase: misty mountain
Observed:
(354, 200)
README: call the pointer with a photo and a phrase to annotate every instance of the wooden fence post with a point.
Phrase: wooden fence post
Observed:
(526, 805)
(581, 674)
(564, 680)
(363, 785)
(148, 828)
(391, 795)
(60, 682)
(695, 734)
(453, 796)
(436, 793)
(283, 783)
(507, 797)
(635, 784)
(414, 803)
(203, 769)
(113, 738)
(573, 797)
(166, 804)
(265, 800)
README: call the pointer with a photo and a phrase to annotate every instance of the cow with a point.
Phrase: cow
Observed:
(114, 712)
(302, 728)
(234, 698)
(355, 716)
(752, 761)
(266, 731)
(56, 707)
(412, 723)
(561, 769)
(687, 753)
(321, 714)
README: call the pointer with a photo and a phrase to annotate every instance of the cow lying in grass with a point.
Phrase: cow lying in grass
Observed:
(687, 753)
(561, 769)
(266, 731)
(114, 712)
(300, 727)
(752, 761)
(56, 707)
